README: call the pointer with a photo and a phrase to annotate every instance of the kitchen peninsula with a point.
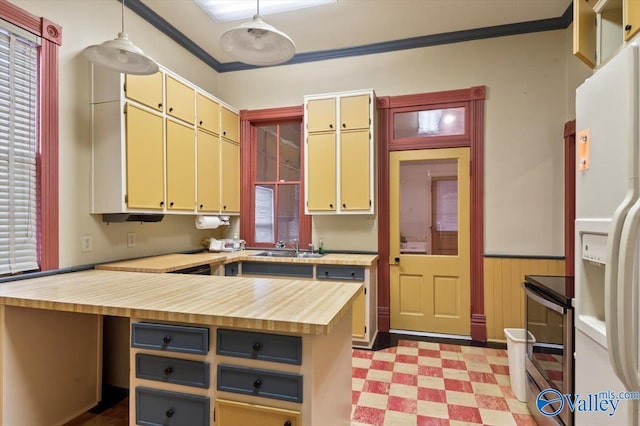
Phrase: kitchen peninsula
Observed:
(50, 336)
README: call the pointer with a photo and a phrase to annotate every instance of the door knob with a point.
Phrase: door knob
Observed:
(397, 260)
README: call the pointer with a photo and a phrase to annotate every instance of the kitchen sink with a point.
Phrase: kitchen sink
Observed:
(283, 253)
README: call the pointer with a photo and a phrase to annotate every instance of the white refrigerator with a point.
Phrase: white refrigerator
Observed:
(607, 229)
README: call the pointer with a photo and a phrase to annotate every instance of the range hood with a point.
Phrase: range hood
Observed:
(131, 217)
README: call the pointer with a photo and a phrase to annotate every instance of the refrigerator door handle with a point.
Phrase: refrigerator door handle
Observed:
(627, 320)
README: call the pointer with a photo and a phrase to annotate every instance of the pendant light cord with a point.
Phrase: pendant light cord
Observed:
(258, 12)
(122, 15)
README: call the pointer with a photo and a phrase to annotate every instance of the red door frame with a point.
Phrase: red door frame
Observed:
(473, 99)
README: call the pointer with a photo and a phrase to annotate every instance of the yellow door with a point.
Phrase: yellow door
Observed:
(146, 89)
(145, 159)
(230, 124)
(631, 18)
(355, 175)
(181, 167)
(234, 413)
(321, 115)
(208, 172)
(181, 100)
(230, 176)
(321, 172)
(430, 292)
(208, 114)
(354, 112)
(584, 31)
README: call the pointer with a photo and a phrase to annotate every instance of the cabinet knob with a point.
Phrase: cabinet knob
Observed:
(170, 109)
(224, 133)
(344, 125)
(353, 275)
(161, 203)
(344, 206)
(160, 105)
(171, 204)
(257, 383)
(627, 27)
(224, 207)
(168, 371)
(201, 205)
(287, 423)
(201, 122)
(331, 126)
(166, 340)
(331, 205)
(397, 260)
(170, 412)
(257, 346)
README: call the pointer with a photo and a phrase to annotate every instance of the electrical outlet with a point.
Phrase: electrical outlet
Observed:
(86, 243)
(131, 239)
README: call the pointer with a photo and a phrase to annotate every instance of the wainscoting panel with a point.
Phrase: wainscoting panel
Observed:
(503, 293)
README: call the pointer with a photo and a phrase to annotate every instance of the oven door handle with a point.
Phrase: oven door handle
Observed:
(545, 302)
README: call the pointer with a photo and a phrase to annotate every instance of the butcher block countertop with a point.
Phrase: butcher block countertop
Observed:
(174, 262)
(294, 306)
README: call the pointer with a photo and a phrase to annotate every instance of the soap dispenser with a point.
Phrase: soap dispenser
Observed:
(321, 247)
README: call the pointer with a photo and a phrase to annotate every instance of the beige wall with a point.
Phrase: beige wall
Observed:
(526, 107)
(92, 22)
(530, 83)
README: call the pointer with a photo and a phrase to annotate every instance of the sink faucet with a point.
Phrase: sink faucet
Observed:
(295, 246)
(280, 244)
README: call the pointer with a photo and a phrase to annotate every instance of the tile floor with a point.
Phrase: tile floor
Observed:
(413, 383)
(425, 383)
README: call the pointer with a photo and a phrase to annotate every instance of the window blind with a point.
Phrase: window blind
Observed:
(18, 145)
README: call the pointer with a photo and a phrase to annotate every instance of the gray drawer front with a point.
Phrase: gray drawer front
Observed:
(173, 370)
(263, 346)
(258, 382)
(173, 338)
(340, 272)
(231, 269)
(163, 408)
(284, 269)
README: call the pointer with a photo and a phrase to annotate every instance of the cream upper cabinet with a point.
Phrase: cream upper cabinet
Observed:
(339, 159)
(156, 146)
(229, 176)
(180, 100)
(145, 159)
(181, 169)
(208, 179)
(208, 114)
(601, 27)
(230, 124)
(146, 89)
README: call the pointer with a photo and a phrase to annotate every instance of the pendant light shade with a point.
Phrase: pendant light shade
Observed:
(258, 43)
(121, 55)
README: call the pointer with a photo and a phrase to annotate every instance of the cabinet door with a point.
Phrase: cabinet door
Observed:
(146, 89)
(208, 172)
(145, 167)
(354, 112)
(584, 31)
(355, 171)
(321, 172)
(359, 321)
(230, 176)
(631, 18)
(181, 100)
(233, 413)
(181, 169)
(230, 125)
(208, 114)
(321, 115)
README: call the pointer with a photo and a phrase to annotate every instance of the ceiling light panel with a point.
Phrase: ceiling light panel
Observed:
(231, 10)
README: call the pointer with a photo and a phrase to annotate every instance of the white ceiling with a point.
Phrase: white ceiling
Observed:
(350, 23)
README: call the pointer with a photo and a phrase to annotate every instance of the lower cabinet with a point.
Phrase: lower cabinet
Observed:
(157, 407)
(234, 413)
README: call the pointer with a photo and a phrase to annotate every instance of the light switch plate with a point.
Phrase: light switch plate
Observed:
(131, 239)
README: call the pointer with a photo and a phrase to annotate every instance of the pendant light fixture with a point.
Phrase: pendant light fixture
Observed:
(257, 43)
(121, 55)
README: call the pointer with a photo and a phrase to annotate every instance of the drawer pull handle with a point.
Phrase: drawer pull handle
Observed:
(168, 371)
(353, 274)
(257, 384)
(166, 340)
(287, 423)
(170, 412)
(170, 109)
(257, 346)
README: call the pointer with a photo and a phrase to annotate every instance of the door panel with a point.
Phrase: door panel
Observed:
(230, 176)
(321, 174)
(146, 89)
(354, 170)
(354, 112)
(180, 100)
(181, 169)
(321, 115)
(208, 180)
(430, 281)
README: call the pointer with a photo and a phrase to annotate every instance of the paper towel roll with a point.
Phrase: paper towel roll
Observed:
(207, 222)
